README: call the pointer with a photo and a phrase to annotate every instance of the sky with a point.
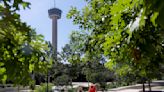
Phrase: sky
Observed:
(37, 17)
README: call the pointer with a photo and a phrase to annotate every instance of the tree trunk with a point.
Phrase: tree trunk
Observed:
(47, 81)
(18, 88)
(71, 84)
(149, 85)
(143, 85)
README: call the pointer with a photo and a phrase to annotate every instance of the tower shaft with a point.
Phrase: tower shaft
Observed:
(54, 14)
(54, 34)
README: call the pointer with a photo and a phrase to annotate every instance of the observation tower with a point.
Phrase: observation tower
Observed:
(54, 14)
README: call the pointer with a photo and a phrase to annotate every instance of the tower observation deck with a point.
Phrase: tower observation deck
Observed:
(54, 14)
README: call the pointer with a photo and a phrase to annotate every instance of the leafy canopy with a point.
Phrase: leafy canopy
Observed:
(128, 32)
(23, 52)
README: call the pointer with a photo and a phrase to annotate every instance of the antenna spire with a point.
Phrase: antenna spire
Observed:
(54, 3)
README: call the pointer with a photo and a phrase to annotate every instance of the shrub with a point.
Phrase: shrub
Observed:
(43, 88)
(32, 85)
(72, 90)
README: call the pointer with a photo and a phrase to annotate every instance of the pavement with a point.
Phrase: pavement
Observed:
(156, 86)
(14, 89)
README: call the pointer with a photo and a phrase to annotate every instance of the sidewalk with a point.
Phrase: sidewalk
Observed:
(156, 86)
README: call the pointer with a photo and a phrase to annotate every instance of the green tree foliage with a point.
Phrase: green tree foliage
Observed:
(96, 72)
(43, 88)
(128, 32)
(88, 63)
(22, 50)
(60, 74)
(74, 50)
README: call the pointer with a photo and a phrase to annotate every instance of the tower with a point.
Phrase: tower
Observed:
(54, 14)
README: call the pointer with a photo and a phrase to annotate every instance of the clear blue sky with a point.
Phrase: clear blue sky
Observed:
(38, 18)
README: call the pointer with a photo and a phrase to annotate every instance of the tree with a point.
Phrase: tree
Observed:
(22, 50)
(95, 72)
(60, 74)
(89, 62)
(129, 33)
(64, 71)
(74, 50)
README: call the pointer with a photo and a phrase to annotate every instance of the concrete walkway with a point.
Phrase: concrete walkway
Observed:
(156, 86)
(14, 89)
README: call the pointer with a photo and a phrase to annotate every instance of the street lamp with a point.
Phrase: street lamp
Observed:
(49, 53)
